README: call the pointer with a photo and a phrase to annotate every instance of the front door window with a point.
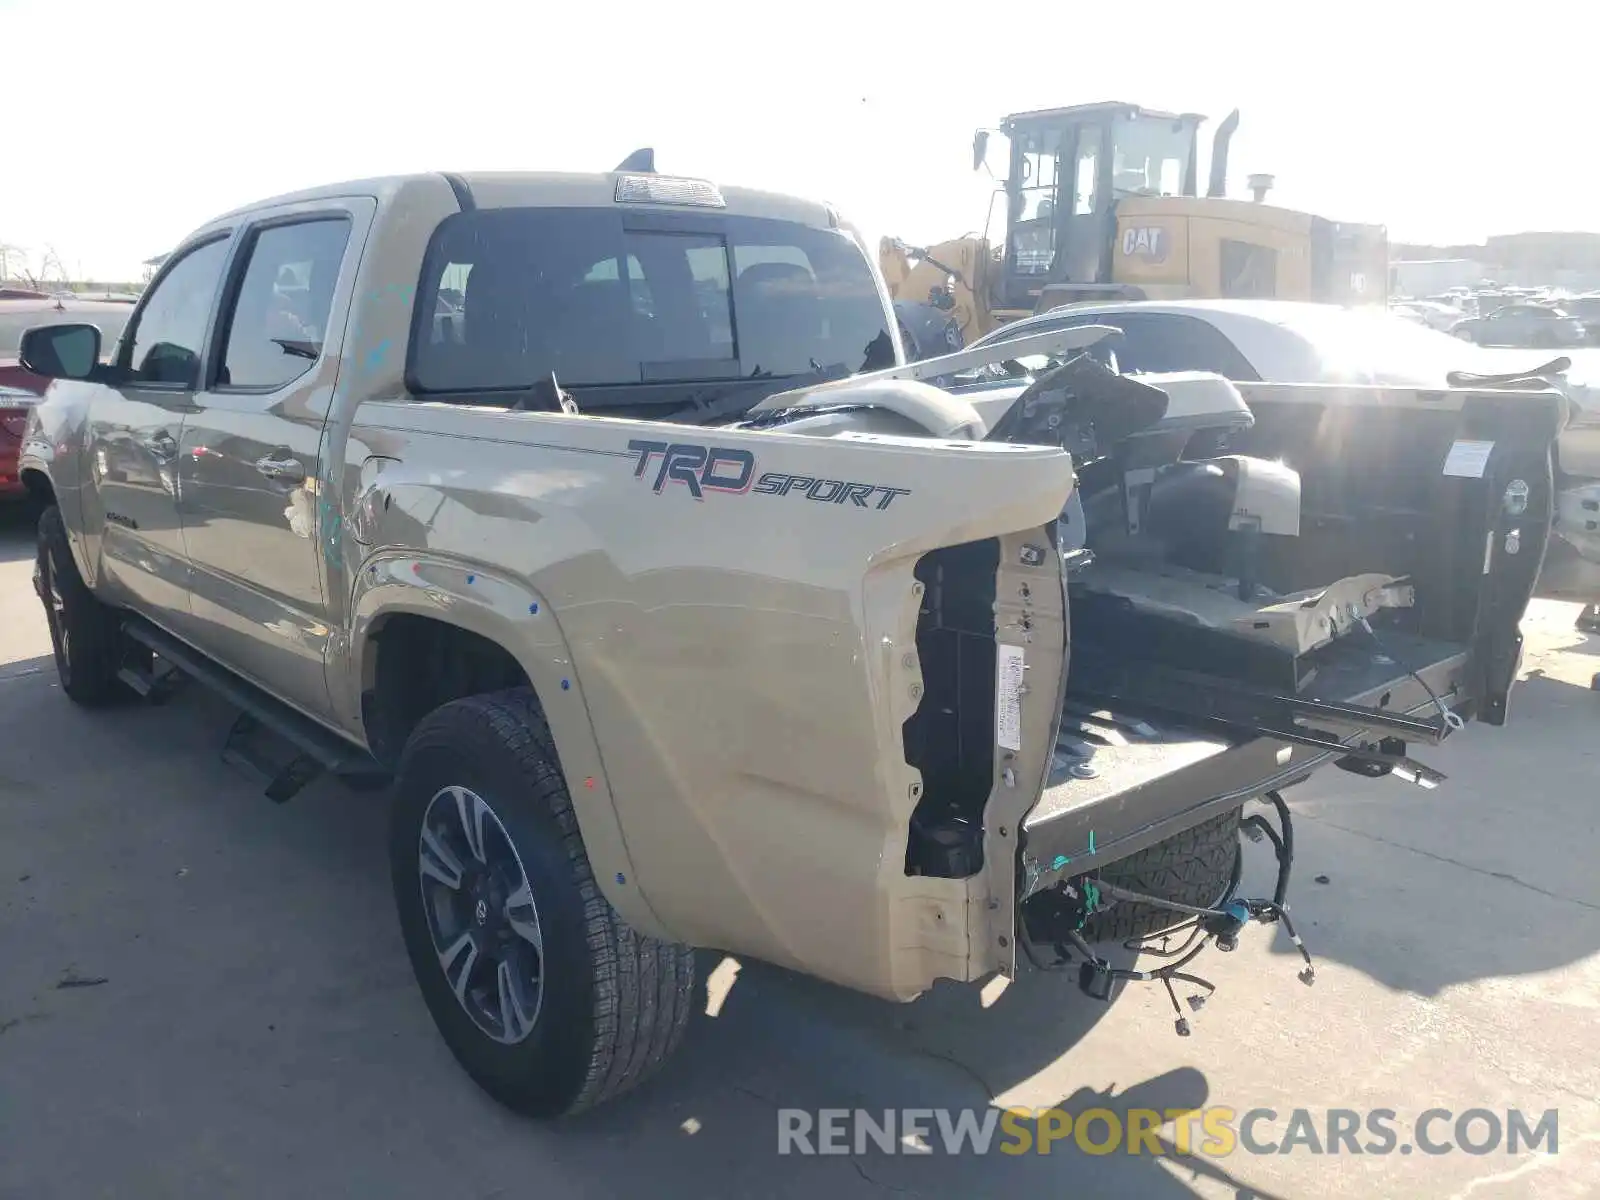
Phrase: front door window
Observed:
(165, 347)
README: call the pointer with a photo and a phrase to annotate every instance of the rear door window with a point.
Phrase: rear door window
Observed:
(278, 319)
(509, 296)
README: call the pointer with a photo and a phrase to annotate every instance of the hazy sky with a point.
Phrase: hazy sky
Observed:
(131, 121)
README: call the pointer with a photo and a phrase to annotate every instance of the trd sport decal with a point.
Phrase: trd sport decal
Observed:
(698, 468)
(704, 469)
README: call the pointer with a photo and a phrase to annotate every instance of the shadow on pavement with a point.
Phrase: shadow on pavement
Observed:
(256, 1020)
(1566, 575)
(16, 532)
(838, 1050)
(1490, 875)
(251, 986)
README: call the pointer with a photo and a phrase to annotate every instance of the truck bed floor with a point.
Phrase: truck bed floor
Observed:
(1127, 753)
(1124, 752)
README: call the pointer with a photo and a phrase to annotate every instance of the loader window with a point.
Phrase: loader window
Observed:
(1248, 270)
(1149, 156)
(1033, 229)
(1086, 172)
(1038, 184)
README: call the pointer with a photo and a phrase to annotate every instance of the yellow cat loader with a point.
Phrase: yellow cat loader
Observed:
(1103, 202)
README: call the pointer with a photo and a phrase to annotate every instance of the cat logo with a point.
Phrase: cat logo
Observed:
(1146, 242)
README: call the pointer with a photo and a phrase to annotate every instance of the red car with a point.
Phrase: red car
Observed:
(19, 391)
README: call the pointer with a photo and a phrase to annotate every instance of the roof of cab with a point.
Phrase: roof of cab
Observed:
(1097, 110)
(536, 189)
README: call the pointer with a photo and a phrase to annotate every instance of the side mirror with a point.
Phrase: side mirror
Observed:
(980, 148)
(60, 351)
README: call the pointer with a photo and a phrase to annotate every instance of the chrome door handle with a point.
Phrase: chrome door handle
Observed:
(282, 470)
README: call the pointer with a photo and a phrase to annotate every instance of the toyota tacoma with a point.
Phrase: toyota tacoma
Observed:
(600, 518)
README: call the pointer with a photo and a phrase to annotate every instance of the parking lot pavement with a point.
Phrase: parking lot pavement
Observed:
(204, 994)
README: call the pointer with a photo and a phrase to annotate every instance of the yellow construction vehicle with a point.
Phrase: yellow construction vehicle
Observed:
(1102, 202)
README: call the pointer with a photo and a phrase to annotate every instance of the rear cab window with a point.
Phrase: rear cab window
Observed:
(601, 300)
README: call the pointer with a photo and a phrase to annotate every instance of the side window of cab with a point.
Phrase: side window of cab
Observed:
(163, 344)
(274, 329)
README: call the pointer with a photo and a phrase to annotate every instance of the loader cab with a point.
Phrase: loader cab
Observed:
(1068, 168)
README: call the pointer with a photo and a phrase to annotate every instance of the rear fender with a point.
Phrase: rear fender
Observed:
(507, 612)
(736, 612)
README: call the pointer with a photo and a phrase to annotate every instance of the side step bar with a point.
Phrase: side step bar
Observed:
(319, 749)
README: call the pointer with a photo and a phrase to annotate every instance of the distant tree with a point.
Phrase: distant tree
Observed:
(50, 263)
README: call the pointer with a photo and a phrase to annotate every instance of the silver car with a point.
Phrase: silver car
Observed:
(1523, 325)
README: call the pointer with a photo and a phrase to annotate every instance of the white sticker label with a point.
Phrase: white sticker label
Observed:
(1008, 698)
(1467, 460)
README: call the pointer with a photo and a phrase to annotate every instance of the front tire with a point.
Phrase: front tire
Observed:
(545, 997)
(85, 634)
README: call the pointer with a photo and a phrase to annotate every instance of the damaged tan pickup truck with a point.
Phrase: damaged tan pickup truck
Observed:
(602, 515)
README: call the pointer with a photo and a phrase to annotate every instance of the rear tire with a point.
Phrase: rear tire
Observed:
(594, 1008)
(1192, 868)
(85, 635)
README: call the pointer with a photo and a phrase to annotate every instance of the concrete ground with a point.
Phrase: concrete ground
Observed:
(205, 995)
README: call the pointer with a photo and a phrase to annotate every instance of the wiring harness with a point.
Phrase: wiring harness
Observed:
(1076, 901)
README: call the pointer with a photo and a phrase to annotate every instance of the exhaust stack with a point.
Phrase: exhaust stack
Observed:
(1218, 185)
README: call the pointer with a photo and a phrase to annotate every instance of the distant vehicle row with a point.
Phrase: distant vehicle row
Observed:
(1503, 319)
